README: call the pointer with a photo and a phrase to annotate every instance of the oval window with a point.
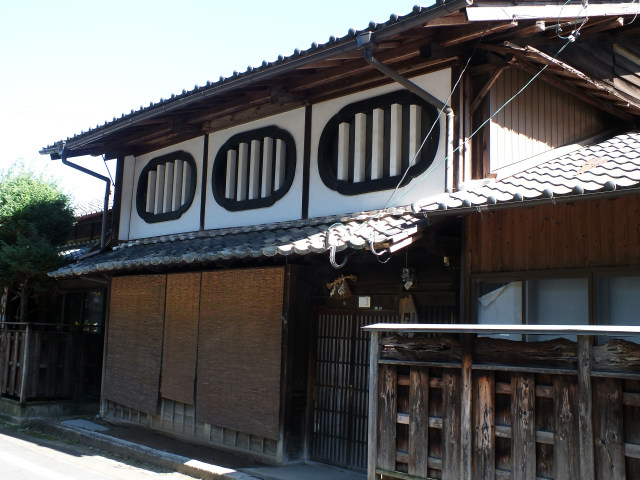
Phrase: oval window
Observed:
(254, 169)
(368, 145)
(166, 187)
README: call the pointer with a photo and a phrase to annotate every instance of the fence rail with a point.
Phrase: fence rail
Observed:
(45, 361)
(464, 407)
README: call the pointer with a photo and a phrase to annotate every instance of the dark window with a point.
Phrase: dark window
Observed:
(367, 146)
(85, 309)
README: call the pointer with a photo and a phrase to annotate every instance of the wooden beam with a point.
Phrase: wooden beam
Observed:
(418, 422)
(455, 19)
(573, 90)
(466, 417)
(466, 34)
(485, 426)
(388, 403)
(523, 423)
(485, 89)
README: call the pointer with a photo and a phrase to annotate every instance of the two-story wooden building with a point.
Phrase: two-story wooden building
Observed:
(264, 218)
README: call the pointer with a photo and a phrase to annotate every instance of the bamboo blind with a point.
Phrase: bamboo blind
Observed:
(239, 350)
(180, 337)
(134, 348)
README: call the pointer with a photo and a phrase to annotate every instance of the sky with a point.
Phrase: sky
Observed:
(68, 65)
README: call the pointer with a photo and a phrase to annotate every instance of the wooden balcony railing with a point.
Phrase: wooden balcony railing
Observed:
(45, 362)
(460, 405)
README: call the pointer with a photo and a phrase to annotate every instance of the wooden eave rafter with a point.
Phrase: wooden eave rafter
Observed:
(568, 78)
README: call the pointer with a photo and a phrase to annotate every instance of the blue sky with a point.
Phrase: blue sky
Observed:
(69, 65)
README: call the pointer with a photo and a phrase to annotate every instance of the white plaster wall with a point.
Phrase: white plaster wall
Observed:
(190, 220)
(324, 201)
(127, 195)
(288, 207)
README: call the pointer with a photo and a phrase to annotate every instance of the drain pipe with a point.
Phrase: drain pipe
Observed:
(107, 192)
(365, 41)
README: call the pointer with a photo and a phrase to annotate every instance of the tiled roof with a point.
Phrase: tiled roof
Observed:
(300, 237)
(90, 207)
(604, 167)
(199, 91)
(72, 251)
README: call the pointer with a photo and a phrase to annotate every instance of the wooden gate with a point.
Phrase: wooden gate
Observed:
(339, 434)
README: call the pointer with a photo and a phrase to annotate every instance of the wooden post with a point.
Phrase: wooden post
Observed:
(418, 421)
(585, 408)
(466, 428)
(485, 424)
(609, 438)
(372, 441)
(388, 410)
(565, 420)
(523, 426)
(450, 426)
(25, 366)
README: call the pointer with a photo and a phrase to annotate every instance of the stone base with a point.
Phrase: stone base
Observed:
(12, 412)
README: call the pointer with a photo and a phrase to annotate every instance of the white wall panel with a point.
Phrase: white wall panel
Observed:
(325, 201)
(288, 207)
(127, 194)
(190, 220)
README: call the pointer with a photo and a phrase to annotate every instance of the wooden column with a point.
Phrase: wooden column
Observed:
(523, 427)
(372, 440)
(388, 410)
(485, 425)
(610, 460)
(585, 409)
(418, 421)
(466, 446)
(565, 420)
(450, 426)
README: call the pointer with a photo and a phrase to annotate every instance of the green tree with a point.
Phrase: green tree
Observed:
(35, 220)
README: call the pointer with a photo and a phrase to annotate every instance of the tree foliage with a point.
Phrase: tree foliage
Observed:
(35, 220)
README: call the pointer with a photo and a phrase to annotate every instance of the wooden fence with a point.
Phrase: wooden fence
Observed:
(468, 407)
(47, 362)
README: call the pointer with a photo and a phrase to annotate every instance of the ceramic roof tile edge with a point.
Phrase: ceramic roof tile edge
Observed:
(458, 203)
(350, 234)
(395, 24)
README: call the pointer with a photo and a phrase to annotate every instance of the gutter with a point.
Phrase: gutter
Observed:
(107, 191)
(368, 42)
(325, 53)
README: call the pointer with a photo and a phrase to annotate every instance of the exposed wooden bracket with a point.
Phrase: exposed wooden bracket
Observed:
(485, 89)
(476, 32)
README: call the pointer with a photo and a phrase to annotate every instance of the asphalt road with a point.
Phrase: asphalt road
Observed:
(26, 457)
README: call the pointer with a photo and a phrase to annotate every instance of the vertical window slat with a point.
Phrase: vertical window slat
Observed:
(168, 186)
(177, 184)
(343, 151)
(281, 153)
(415, 132)
(159, 189)
(151, 191)
(267, 167)
(254, 170)
(186, 182)
(232, 170)
(360, 148)
(395, 165)
(377, 149)
(243, 167)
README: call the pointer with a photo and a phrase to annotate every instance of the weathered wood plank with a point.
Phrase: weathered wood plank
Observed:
(387, 407)
(585, 409)
(609, 436)
(418, 421)
(485, 426)
(372, 434)
(523, 432)
(450, 426)
(565, 414)
(466, 416)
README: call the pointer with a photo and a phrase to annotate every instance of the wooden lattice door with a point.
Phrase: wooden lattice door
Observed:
(339, 435)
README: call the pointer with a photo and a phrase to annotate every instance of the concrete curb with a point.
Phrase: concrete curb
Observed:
(187, 466)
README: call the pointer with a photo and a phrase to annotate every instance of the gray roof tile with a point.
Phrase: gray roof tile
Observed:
(596, 168)
(301, 237)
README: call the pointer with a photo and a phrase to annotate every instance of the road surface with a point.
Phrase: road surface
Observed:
(24, 457)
